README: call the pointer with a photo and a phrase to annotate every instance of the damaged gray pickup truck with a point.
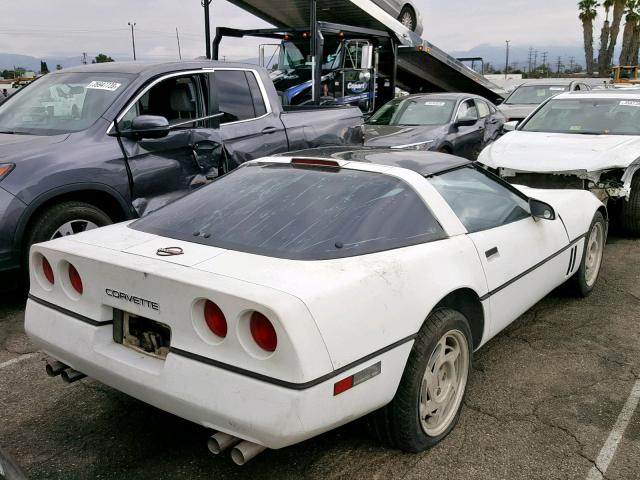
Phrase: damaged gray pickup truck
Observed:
(96, 144)
(582, 140)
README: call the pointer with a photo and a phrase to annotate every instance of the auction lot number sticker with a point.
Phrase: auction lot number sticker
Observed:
(100, 85)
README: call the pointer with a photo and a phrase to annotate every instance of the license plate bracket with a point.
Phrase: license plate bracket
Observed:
(142, 334)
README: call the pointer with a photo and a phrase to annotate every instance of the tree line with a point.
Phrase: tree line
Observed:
(614, 12)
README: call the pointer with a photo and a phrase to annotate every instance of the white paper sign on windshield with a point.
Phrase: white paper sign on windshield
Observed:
(630, 103)
(100, 85)
(435, 104)
(557, 89)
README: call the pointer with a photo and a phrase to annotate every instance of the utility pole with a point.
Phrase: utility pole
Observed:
(84, 58)
(207, 28)
(133, 39)
(530, 60)
(535, 60)
(544, 61)
(178, 38)
(559, 65)
(506, 65)
(572, 64)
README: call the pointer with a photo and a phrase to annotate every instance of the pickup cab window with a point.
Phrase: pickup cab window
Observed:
(239, 96)
(176, 98)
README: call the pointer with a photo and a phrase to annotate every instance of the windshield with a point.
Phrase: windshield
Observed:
(534, 94)
(61, 103)
(292, 57)
(587, 116)
(303, 213)
(415, 111)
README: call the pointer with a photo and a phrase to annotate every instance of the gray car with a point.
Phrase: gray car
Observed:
(457, 123)
(405, 11)
(528, 96)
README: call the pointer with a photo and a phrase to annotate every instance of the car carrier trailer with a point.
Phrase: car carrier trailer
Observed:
(387, 54)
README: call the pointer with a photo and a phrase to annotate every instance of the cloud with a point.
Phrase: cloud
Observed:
(70, 27)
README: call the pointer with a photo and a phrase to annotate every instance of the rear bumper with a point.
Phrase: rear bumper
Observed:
(216, 398)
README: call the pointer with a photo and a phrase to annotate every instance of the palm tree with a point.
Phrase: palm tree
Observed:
(604, 38)
(618, 13)
(629, 53)
(587, 15)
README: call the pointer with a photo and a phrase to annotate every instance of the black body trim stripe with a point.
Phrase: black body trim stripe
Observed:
(77, 316)
(571, 259)
(535, 267)
(283, 383)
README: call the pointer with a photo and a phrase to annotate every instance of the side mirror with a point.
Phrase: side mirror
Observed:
(465, 122)
(149, 126)
(510, 126)
(541, 210)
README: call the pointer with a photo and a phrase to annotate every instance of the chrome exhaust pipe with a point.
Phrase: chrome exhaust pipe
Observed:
(245, 451)
(55, 368)
(70, 375)
(221, 441)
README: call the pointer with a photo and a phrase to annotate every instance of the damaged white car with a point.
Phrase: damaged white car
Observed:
(583, 140)
(294, 295)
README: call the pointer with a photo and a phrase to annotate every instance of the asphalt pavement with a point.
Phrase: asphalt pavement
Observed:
(552, 397)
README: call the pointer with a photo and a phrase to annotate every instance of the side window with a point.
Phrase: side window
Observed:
(176, 98)
(256, 94)
(468, 110)
(480, 201)
(483, 109)
(577, 87)
(493, 108)
(234, 96)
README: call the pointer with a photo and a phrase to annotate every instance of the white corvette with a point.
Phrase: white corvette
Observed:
(586, 140)
(296, 294)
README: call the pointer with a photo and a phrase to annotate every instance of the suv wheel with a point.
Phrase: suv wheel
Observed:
(630, 209)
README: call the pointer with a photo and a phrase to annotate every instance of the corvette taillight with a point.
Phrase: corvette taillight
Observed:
(75, 280)
(48, 271)
(215, 319)
(263, 332)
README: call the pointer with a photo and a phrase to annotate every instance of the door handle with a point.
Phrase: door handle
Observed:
(268, 130)
(491, 252)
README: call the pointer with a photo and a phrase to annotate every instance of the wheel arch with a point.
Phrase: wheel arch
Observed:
(467, 302)
(99, 195)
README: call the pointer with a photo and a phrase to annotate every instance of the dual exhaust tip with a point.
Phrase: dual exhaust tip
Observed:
(241, 450)
(68, 374)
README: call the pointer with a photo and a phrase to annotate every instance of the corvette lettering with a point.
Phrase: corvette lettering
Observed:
(130, 298)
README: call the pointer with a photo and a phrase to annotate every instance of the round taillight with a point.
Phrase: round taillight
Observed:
(215, 319)
(47, 270)
(74, 279)
(263, 332)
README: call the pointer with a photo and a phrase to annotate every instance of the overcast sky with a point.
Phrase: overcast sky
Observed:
(70, 27)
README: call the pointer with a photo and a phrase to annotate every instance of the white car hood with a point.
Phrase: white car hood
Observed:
(561, 152)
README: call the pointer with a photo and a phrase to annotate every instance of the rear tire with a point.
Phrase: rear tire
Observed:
(429, 399)
(630, 210)
(408, 18)
(586, 278)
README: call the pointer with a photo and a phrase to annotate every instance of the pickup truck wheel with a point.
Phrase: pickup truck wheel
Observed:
(630, 209)
(408, 18)
(429, 398)
(585, 279)
(62, 219)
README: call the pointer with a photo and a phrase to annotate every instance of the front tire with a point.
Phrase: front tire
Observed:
(62, 219)
(408, 18)
(428, 401)
(585, 279)
(630, 209)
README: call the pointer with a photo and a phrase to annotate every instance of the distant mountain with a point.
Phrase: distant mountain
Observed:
(496, 55)
(10, 60)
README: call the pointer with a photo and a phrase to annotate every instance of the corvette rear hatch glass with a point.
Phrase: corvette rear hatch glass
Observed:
(295, 212)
